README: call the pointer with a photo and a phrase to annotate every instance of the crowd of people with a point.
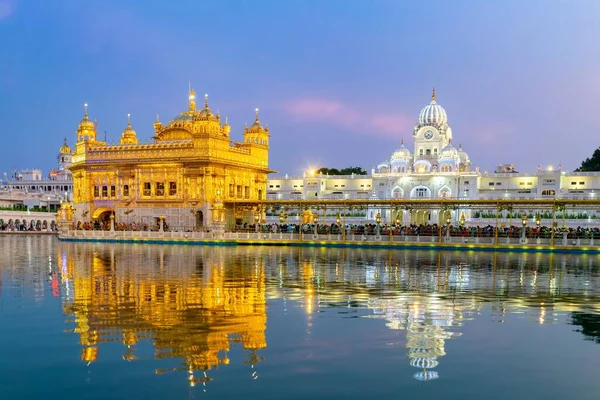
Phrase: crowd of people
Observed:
(425, 230)
(25, 226)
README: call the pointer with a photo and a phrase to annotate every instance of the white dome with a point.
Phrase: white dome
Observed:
(433, 113)
(402, 153)
(449, 152)
(384, 164)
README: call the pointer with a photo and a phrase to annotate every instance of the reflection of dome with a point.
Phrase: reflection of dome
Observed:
(433, 113)
(65, 149)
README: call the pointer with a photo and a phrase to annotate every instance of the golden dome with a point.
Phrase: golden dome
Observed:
(256, 126)
(65, 149)
(129, 136)
(86, 122)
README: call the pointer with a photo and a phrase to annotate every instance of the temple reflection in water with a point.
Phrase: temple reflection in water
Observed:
(193, 303)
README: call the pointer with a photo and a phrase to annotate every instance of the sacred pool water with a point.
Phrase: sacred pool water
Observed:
(98, 321)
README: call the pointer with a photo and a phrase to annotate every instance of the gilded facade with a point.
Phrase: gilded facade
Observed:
(192, 168)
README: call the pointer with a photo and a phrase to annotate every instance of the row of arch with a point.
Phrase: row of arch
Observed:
(421, 192)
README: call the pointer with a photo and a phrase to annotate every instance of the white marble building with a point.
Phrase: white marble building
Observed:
(436, 169)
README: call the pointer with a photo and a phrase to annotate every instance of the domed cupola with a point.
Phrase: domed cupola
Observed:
(449, 152)
(465, 162)
(65, 149)
(87, 129)
(129, 136)
(448, 160)
(383, 167)
(401, 153)
(433, 113)
(400, 161)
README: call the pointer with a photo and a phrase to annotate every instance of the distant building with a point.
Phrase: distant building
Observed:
(436, 169)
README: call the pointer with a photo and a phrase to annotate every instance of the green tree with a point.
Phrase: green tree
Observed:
(344, 171)
(591, 164)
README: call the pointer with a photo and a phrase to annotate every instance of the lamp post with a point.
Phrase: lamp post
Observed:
(316, 221)
(538, 221)
(523, 231)
(462, 220)
(282, 218)
(378, 221)
(448, 220)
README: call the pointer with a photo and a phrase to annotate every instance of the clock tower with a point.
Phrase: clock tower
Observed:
(431, 134)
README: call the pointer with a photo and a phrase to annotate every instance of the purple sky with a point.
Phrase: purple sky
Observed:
(340, 83)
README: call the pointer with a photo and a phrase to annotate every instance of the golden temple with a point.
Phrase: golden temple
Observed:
(185, 176)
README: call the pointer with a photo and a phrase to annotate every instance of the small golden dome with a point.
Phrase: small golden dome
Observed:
(129, 136)
(86, 122)
(65, 149)
(256, 126)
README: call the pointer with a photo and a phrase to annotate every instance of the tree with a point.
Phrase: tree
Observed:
(591, 164)
(344, 171)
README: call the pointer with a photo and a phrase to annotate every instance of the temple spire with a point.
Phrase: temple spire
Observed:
(206, 101)
(192, 99)
(256, 112)
(85, 109)
(433, 94)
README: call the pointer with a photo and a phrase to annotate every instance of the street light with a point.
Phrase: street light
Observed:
(448, 220)
(462, 219)
(397, 220)
(378, 218)
(538, 221)
(524, 222)
(338, 219)
(316, 221)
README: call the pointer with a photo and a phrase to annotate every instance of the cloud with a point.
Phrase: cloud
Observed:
(7, 8)
(361, 120)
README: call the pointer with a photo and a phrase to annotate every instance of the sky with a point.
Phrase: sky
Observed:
(340, 83)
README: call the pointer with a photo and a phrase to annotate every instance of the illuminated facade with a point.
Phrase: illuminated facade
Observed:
(435, 169)
(190, 170)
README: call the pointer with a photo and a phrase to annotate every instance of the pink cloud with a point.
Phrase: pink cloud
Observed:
(362, 120)
(7, 8)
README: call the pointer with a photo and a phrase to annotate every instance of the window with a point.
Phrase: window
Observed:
(498, 183)
(362, 185)
(420, 152)
(548, 192)
(160, 189)
(434, 151)
(529, 183)
(278, 186)
(238, 191)
(172, 188)
(491, 183)
(147, 189)
(421, 192)
(573, 183)
(582, 183)
(343, 185)
(428, 152)
(246, 192)
(104, 191)
(466, 182)
(113, 191)
(125, 190)
(231, 189)
(521, 183)
(549, 181)
(270, 186)
(96, 191)
(336, 186)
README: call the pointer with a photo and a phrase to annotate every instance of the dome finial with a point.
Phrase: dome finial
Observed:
(192, 99)
(128, 119)
(256, 112)
(226, 120)
(206, 101)
(433, 94)
(157, 118)
(401, 141)
(85, 109)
